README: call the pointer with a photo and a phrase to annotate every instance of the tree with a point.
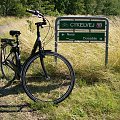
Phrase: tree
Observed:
(6, 5)
(111, 7)
(90, 6)
(54, 7)
(12, 8)
(34, 4)
(17, 10)
(75, 7)
(49, 8)
(99, 7)
(61, 5)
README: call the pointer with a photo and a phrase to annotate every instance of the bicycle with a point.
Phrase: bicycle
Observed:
(45, 75)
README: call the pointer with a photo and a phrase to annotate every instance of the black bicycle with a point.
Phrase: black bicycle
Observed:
(45, 75)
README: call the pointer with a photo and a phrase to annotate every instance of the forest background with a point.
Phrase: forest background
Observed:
(59, 7)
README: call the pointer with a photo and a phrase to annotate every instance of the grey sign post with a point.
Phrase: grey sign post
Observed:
(82, 29)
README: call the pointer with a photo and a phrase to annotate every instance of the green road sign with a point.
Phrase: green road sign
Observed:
(85, 29)
(82, 25)
(77, 36)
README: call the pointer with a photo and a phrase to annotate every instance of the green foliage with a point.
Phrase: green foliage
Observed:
(48, 8)
(12, 8)
(75, 7)
(99, 7)
(111, 7)
(90, 6)
(56, 7)
(96, 95)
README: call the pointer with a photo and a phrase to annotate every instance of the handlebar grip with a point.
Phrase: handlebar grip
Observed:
(35, 12)
(31, 11)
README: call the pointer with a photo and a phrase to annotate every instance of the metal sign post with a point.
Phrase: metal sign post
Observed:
(82, 29)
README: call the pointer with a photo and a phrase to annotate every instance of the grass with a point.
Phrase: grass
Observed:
(96, 95)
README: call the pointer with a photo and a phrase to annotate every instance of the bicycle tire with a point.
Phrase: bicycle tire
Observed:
(7, 72)
(41, 89)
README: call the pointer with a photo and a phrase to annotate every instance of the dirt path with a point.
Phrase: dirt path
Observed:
(3, 29)
(13, 105)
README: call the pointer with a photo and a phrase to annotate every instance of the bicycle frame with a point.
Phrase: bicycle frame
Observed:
(38, 41)
(15, 49)
(38, 44)
(18, 67)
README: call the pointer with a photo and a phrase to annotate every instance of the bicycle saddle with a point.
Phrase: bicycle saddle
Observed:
(14, 32)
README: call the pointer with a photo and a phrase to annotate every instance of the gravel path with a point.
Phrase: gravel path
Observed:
(3, 28)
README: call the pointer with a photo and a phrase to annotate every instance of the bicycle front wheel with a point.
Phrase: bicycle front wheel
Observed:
(54, 88)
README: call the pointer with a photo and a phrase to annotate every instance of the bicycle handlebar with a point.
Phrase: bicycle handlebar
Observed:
(35, 12)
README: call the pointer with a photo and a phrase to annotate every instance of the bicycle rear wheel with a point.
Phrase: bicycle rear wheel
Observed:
(7, 58)
(54, 88)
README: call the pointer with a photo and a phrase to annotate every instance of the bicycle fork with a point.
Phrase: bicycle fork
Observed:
(43, 66)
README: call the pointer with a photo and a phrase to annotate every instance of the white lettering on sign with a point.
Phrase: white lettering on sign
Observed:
(70, 34)
(89, 38)
(82, 25)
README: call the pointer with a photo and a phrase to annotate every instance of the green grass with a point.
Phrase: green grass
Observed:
(96, 95)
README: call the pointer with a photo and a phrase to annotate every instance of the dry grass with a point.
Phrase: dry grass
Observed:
(97, 90)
